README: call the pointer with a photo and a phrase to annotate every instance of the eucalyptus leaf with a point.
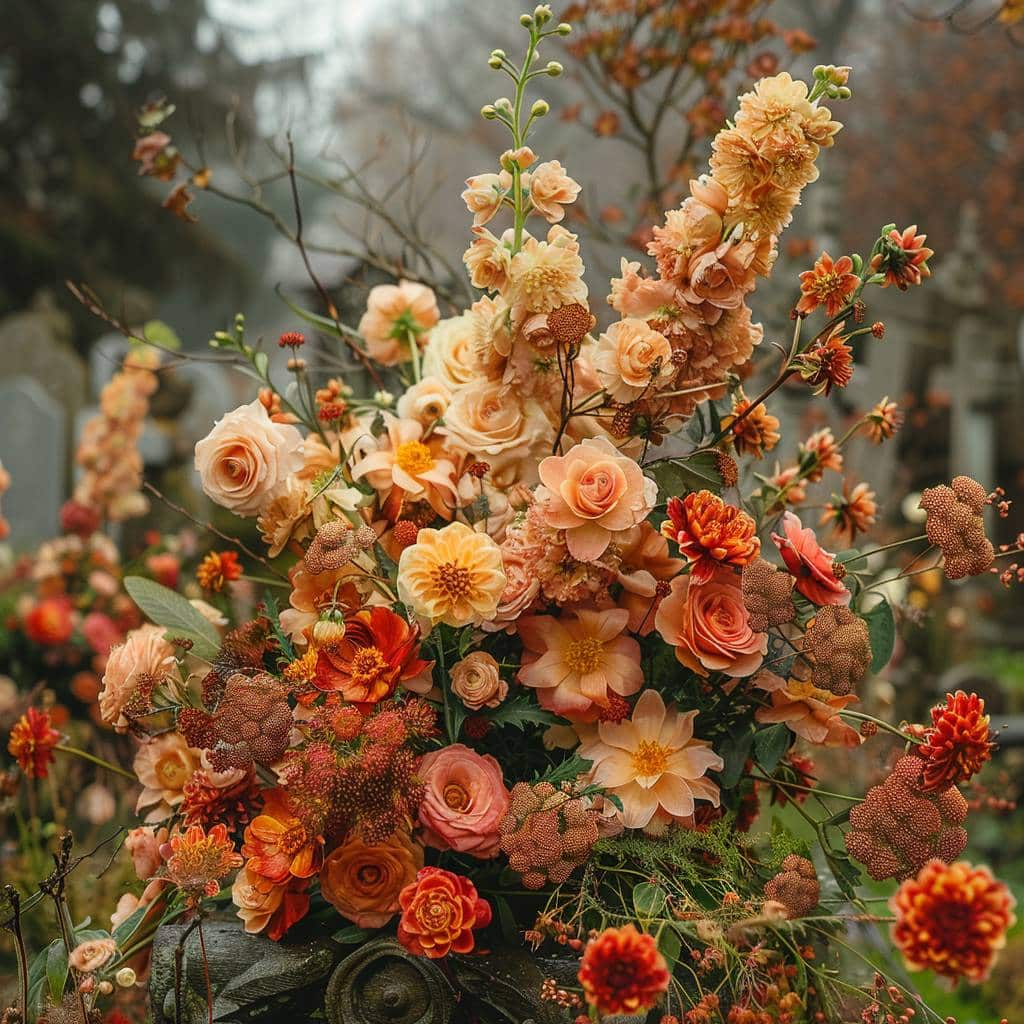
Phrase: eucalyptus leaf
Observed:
(156, 332)
(174, 612)
(648, 900)
(670, 945)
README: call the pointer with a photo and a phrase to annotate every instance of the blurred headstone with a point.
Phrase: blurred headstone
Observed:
(33, 448)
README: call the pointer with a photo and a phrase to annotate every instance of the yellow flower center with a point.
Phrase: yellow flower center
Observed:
(368, 665)
(171, 771)
(292, 840)
(584, 656)
(414, 457)
(452, 580)
(650, 758)
(456, 797)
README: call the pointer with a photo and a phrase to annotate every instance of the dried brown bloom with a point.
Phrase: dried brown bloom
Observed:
(838, 645)
(767, 595)
(332, 547)
(569, 324)
(727, 469)
(796, 886)
(547, 833)
(251, 723)
(899, 827)
(954, 523)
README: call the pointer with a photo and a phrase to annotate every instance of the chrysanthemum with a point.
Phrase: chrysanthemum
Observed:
(952, 919)
(903, 258)
(652, 762)
(218, 569)
(710, 533)
(32, 741)
(622, 972)
(200, 859)
(574, 661)
(852, 512)
(883, 420)
(754, 432)
(452, 575)
(957, 745)
(544, 276)
(829, 283)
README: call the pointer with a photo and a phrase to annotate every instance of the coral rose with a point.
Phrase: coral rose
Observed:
(477, 682)
(440, 911)
(393, 313)
(247, 458)
(709, 626)
(632, 358)
(362, 881)
(809, 562)
(144, 652)
(464, 802)
(592, 492)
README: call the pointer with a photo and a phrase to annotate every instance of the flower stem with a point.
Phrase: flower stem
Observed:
(86, 756)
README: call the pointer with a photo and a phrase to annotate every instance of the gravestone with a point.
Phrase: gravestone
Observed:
(33, 449)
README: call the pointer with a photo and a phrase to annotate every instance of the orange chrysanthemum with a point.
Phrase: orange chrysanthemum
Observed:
(827, 283)
(952, 919)
(852, 512)
(903, 258)
(379, 649)
(957, 744)
(217, 569)
(32, 741)
(440, 911)
(199, 859)
(623, 972)
(828, 364)
(279, 845)
(754, 432)
(883, 420)
(710, 532)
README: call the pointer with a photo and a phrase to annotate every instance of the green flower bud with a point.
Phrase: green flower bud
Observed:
(554, 69)
(488, 112)
(540, 108)
(564, 29)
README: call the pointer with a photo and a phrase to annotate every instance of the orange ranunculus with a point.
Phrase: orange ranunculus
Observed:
(362, 881)
(440, 911)
(279, 845)
(378, 651)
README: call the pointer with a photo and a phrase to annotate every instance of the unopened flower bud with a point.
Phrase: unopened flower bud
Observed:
(498, 53)
(125, 977)
(554, 69)
(504, 104)
(384, 397)
(328, 631)
(488, 112)
(105, 988)
(296, 364)
(494, 62)
(542, 13)
(564, 29)
(526, 21)
(539, 108)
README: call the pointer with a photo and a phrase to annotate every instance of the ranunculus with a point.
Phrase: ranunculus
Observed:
(809, 562)
(551, 189)
(143, 845)
(393, 312)
(92, 954)
(521, 589)
(362, 881)
(144, 652)
(440, 911)
(709, 626)
(477, 682)
(721, 277)
(246, 459)
(464, 802)
(425, 402)
(632, 358)
(592, 492)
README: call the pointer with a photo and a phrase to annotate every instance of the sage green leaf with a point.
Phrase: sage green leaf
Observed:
(174, 612)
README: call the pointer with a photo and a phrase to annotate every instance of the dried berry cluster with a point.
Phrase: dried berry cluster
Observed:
(796, 886)
(955, 525)
(837, 643)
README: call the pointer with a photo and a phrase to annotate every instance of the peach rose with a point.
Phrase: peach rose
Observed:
(246, 459)
(709, 626)
(551, 189)
(634, 295)
(464, 802)
(450, 354)
(632, 358)
(144, 652)
(488, 418)
(721, 277)
(809, 562)
(592, 492)
(362, 881)
(477, 682)
(425, 402)
(388, 308)
(143, 845)
(92, 954)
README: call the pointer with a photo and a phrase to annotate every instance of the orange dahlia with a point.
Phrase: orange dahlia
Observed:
(952, 919)
(623, 972)
(279, 845)
(217, 569)
(957, 744)
(827, 283)
(440, 911)
(32, 741)
(200, 859)
(902, 257)
(378, 650)
(710, 533)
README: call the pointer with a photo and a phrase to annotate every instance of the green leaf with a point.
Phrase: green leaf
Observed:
(506, 920)
(697, 472)
(881, 633)
(156, 332)
(56, 970)
(37, 978)
(351, 936)
(669, 945)
(325, 323)
(648, 900)
(735, 750)
(521, 711)
(568, 770)
(260, 362)
(175, 614)
(770, 744)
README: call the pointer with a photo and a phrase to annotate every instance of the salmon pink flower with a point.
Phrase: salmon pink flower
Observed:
(809, 562)
(440, 912)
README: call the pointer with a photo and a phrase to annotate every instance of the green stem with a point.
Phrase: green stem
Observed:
(884, 547)
(860, 716)
(86, 756)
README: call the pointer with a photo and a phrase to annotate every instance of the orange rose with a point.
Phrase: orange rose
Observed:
(440, 910)
(362, 881)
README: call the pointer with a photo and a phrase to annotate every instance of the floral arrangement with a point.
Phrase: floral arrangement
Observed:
(538, 636)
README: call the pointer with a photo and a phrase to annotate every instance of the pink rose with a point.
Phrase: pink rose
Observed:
(92, 954)
(101, 632)
(247, 458)
(709, 626)
(592, 492)
(465, 801)
(810, 563)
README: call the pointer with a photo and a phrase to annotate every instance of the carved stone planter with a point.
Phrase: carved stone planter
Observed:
(256, 980)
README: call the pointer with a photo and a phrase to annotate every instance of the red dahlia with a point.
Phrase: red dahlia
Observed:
(622, 971)
(957, 744)
(32, 741)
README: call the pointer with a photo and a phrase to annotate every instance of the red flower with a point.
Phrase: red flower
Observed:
(440, 911)
(32, 741)
(217, 569)
(710, 533)
(623, 972)
(902, 257)
(828, 282)
(379, 650)
(952, 919)
(49, 622)
(957, 744)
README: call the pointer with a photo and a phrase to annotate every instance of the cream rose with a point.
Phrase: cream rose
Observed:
(477, 682)
(426, 401)
(632, 357)
(450, 355)
(488, 418)
(246, 459)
